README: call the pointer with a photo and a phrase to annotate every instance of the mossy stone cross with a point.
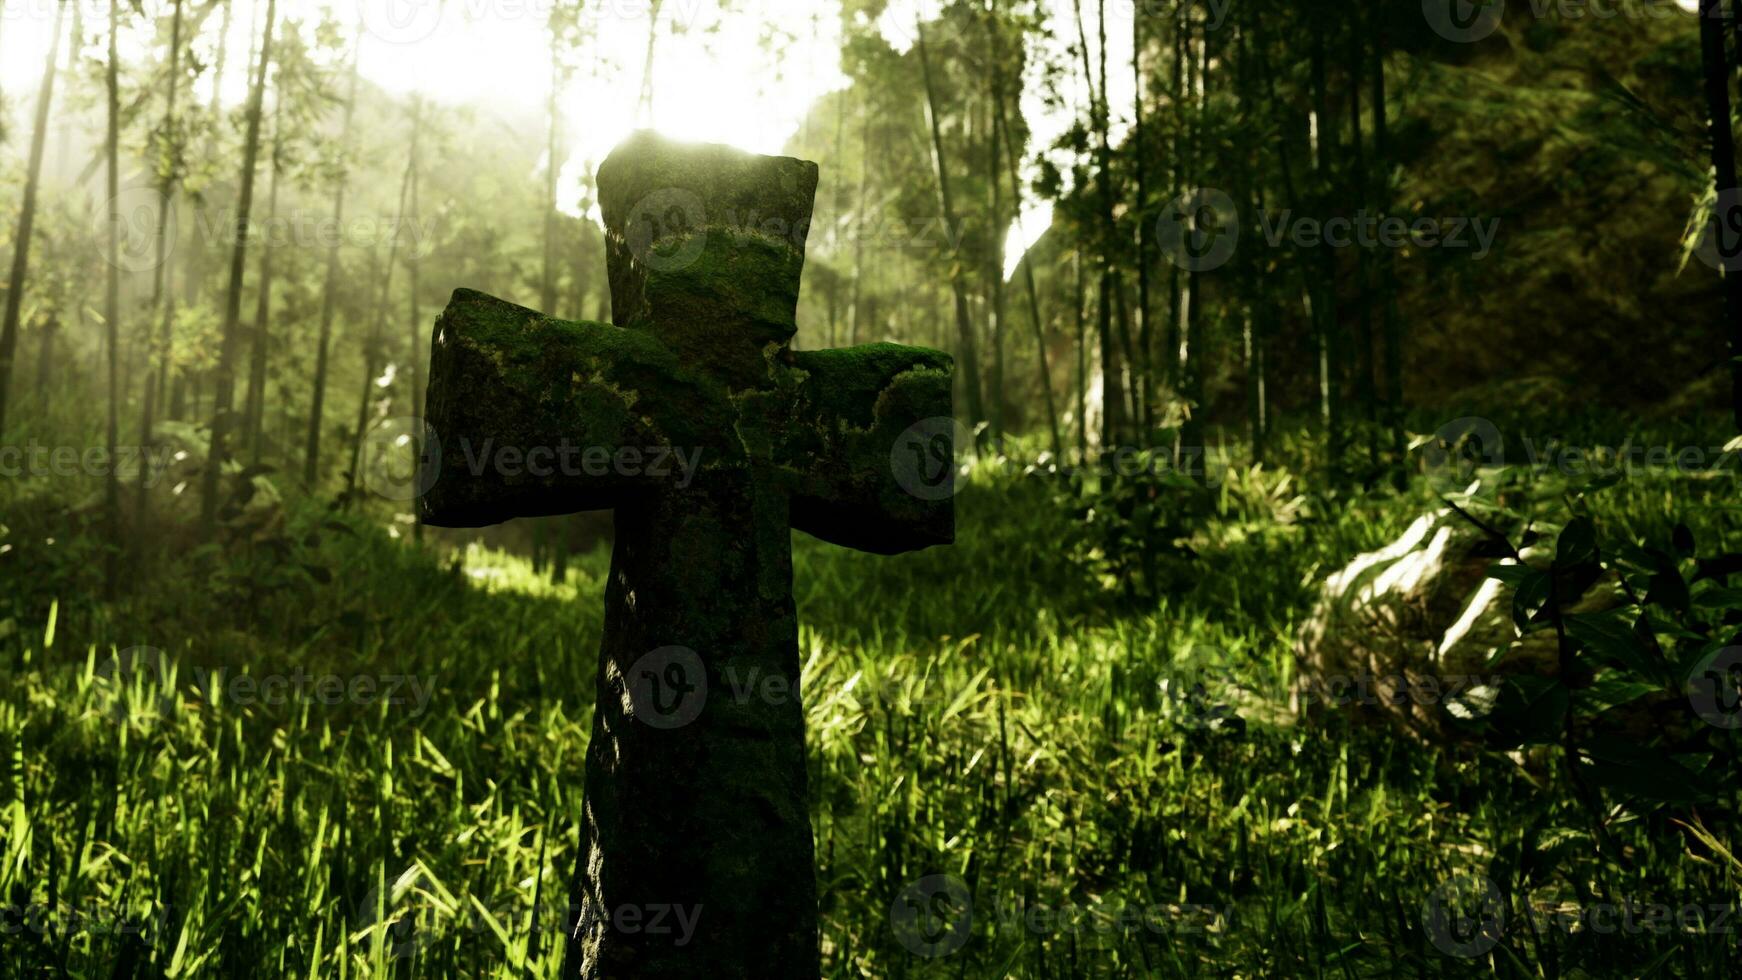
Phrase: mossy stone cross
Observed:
(697, 853)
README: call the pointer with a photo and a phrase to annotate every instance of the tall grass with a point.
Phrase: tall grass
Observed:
(1116, 790)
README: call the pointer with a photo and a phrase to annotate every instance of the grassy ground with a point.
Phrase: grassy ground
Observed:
(1112, 787)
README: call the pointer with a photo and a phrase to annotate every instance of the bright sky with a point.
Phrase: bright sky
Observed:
(744, 77)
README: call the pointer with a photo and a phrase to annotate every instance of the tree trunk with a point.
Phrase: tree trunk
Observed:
(1175, 337)
(372, 343)
(415, 357)
(1324, 303)
(1392, 323)
(1145, 397)
(1112, 393)
(311, 460)
(27, 220)
(1725, 210)
(1052, 418)
(1193, 450)
(111, 304)
(995, 275)
(254, 406)
(224, 381)
(970, 363)
(1114, 367)
(1082, 362)
(547, 278)
(193, 272)
(644, 105)
(853, 310)
(45, 358)
(162, 297)
(1364, 367)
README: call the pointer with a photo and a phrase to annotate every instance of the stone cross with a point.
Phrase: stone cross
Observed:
(710, 438)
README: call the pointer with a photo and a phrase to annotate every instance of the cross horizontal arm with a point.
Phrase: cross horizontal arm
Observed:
(869, 445)
(533, 416)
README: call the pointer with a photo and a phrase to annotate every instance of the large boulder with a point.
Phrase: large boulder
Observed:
(1418, 636)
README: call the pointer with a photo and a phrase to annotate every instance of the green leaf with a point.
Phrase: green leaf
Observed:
(1532, 709)
(1631, 768)
(1613, 691)
(1613, 640)
(1669, 590)
(1577, 544)
(1528, 599)
(1512, 575)
(1683, 538)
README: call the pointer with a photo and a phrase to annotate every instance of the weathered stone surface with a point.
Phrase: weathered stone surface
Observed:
(1397, 630)
(696, 797)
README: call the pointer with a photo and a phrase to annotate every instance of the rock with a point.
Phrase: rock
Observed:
(1417, 636)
